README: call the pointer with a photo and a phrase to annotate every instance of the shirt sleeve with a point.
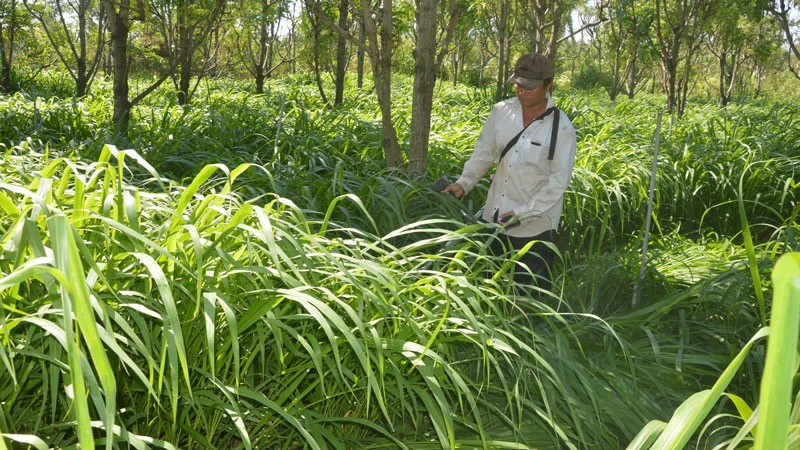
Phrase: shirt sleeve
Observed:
(484, 155)
(560, 171)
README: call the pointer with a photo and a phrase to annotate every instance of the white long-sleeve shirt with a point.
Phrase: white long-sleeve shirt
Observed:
(525, 182)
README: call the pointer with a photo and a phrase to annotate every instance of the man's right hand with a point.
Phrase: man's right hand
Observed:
(454, 189)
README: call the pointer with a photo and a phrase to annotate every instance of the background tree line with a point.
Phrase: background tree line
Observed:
(729, 49)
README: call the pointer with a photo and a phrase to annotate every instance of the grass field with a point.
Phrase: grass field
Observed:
(244, 273)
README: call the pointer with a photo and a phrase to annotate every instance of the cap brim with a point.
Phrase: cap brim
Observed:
(526, 83)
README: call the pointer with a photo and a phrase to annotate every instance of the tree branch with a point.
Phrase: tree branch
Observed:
(781, 13)
(584, 27)
(335, 27)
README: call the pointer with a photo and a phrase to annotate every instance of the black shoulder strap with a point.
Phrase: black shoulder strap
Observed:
(554, 135)
(516, 138)
(513, 141)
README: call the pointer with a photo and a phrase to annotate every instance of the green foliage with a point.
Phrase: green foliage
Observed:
(223, 284)
(772, 424)
(591, 77)
(702, 161)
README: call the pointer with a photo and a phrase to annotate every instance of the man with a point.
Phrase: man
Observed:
(527, 191)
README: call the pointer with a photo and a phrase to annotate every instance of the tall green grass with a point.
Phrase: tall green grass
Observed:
(216, 288)
(772, 424)
(233, 323)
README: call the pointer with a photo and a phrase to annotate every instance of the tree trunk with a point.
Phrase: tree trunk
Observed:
(7, 48)
(424, 82)
(360, 55)
(184, 52)
(119, 25)
(687, 70)
(677, 25)
(315, 25)
(483, 61)
(502, 52)
(723, 70)
(556, 30)
(668, 50)
(383, 87)
(259, 79)
(82, 76)
(734, 70)
(185, 77)
(341, 53)
(195, 23)
(260, 66)
(670, 84)
(759, 75)
(426, 66)
(262, 58)
(391, 145)
(632, 58)
(269, 61)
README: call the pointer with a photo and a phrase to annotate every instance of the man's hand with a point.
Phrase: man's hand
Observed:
(454, 189)
(506, 218)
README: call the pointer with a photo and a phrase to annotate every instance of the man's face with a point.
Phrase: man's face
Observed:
(531, 97)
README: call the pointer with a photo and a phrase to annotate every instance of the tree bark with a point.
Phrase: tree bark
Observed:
(502, 50)
(341, 53)
(184, 52)
(260, 61)
(360, 55)
(382, 66)
(7, 34)
(633, 72)
(424, 82)
(722, 60)
(119, 26)
(426, 65)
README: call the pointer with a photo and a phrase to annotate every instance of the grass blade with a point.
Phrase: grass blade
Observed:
(751, 254)
(781, 360)
(24, 439)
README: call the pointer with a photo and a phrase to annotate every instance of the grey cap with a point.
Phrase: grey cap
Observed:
(531, 70)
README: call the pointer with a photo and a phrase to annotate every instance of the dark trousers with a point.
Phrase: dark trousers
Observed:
(537, 261)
